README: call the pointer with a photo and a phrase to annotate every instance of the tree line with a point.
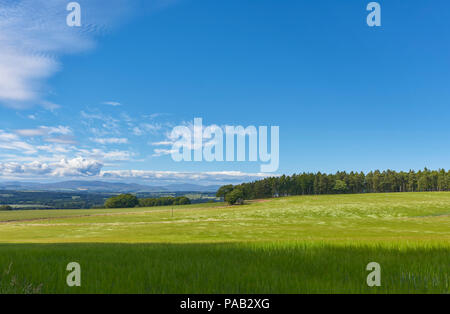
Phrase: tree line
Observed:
(130, 201)
(339, 183)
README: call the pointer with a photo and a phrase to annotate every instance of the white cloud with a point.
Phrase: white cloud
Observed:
(6, 137)
(108, 124)
(44, 131)
(217, 177)
(146, 128)
(16, 169)
(34, 34)
(55, 148)
(76, 167)
(21, 75)
(111, 140)
(49, 105)
(158, 152)
(68, 140)
(155, 115)
(116, 155)
(57, 135)
(59, 146)
(10, 141)
(171, 138)
(112, 103)
(137, 131)
(152, 128)
(162, 143)
(87, 167)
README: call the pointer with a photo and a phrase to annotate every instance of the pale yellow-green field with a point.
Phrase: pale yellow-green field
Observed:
(423, 217)
(304, 244)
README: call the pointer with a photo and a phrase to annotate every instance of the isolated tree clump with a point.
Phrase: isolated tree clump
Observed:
(122, 201)
(5, 208)
(235, 197)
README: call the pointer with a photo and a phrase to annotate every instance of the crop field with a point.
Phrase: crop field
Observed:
(304, 244)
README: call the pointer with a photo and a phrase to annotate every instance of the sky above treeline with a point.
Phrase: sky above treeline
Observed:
(100, 101)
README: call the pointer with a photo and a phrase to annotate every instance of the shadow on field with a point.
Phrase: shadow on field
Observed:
(222, 268)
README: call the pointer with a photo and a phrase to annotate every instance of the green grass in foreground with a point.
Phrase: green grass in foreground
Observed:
(310, 244)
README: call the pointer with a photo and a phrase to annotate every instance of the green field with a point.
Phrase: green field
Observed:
(305, 244)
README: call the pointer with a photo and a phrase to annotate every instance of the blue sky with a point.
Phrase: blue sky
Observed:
(94, 102)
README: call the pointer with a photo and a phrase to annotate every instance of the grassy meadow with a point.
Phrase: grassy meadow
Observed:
(304, 244)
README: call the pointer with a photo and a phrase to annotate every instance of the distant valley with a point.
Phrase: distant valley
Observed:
(102, 186)
(89, 194)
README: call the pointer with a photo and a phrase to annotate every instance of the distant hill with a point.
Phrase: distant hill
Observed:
(103, 186)
(191, 188)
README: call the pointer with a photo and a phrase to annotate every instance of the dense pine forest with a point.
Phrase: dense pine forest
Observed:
(340, 183)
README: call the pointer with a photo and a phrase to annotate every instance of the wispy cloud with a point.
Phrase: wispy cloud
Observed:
(101, 124)
(172, 138)
(158, 152)
(112, 103)
(115, 155)
(45, 130)
(146, 128)
(10, 141)
(34, 34)
(111, 140)
(68, 140)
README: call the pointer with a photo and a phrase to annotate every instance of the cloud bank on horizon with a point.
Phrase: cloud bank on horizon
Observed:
(52, 153)
(85, 168)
